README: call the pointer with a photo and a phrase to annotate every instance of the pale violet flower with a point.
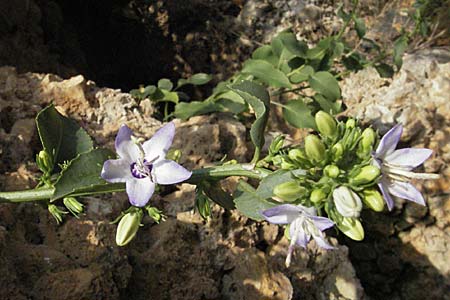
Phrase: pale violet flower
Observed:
(396, 167)
(142, 166)
(347, 202)
(304, 224)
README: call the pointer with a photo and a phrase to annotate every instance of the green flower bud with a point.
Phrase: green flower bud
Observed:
(285, 165)
(366, 175)
(155, 214)
(351, 123)
(297, 154)
(128, 227)
(202, 204)
(373, 199)
(337, 151)
(331, 171)
(44, 161)
(288, 191)
(174, 154)
(366, 143)
(352, 228)
(276, 144)
(326, 124)
(73, 205)
(317, 195)
(314, 147)
(347, 202)
(56, 212)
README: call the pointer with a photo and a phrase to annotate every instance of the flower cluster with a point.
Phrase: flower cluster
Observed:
(345, 173)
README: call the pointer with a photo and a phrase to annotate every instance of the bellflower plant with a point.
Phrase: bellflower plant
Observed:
(303, 224)
(396, 167)
(142, 166)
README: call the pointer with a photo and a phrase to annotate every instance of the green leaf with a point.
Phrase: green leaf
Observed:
(400, 46)
(258, 98)
(169, 97)
(232, 102)
(265, 53)
(301, 74)
(82, 173)
(327, 105)
(250, 203)
(298, 114)
(318, 52)
(185, 110)
(326, 84)
(360, 27)
(196, 79)
(354, 62)
(266, 72)
(61, 137)
(385, 70)
(342, 14)
(165, 84)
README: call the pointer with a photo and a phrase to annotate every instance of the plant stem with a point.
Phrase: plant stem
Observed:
(217, 173)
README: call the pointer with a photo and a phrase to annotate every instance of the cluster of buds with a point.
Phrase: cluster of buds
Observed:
(340, 178)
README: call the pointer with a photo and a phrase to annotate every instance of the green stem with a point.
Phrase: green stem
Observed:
(198, 175)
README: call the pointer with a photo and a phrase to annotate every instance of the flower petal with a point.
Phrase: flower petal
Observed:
(297, 232)
(140, 191)
(408, 157)
(281, 214)
(160, 142)
(322, 223)
(125, 147)
(322, 242)
(116, 170)
(169, 172)
(384, 190)
(389, 141)
(406, 190)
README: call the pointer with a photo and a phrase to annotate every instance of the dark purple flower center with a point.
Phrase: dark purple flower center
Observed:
(140, 171)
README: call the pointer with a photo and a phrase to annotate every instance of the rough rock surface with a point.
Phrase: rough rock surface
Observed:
(229, 257)
(408, 249)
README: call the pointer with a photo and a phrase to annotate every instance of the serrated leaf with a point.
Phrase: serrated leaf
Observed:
(301, 74)
(266, 72)
(325, 84)
(250, 203)
(258, 98)
(61, 137)
(400, 46)
(165, 84)
(82, 173)
(360, 27)
(298, 114)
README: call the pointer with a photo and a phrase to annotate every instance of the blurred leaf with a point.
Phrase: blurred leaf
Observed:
(287, 40)
(258, 98)
(169, 97)
(298, 114)
(82, 173)
(338, 49)
(318, 52)
(196, 79)
(231, 101)
(62, 138)
(360, 27)
(325, 84)
(354, 62)
(400, 46)
(165, 84)
(185, 110)
(265, 53)
(301, 74)
(385, 70)
(342, 14)
(327, 105)
(266, 72)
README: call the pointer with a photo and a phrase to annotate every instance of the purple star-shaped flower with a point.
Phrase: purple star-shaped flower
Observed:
(304, 224)
(141, 167)
(396, 167)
